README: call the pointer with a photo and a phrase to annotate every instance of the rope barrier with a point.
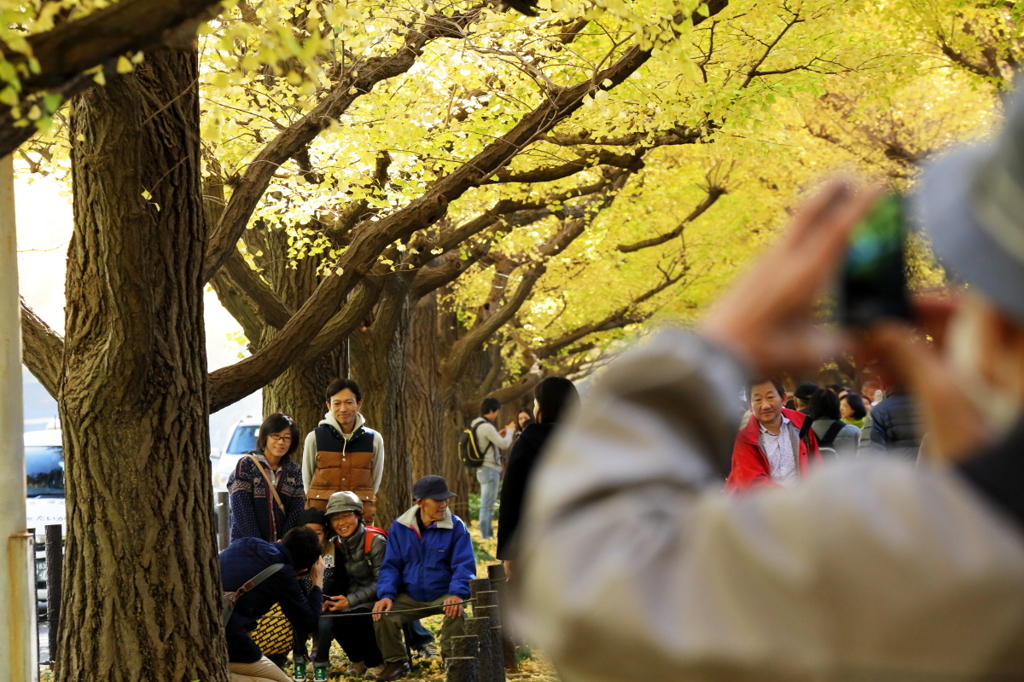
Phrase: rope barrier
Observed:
(328, 614)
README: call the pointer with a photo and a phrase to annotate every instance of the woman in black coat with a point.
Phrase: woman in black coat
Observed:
(554, 396)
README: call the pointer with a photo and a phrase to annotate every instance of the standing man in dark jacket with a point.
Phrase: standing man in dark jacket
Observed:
(893, 426)
(428, 563)
(554, 398)
(243, 560)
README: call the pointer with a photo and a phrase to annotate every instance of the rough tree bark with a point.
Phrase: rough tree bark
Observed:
(142, 581)
(378, 360)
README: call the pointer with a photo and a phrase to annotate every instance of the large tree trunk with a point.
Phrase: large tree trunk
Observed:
(423, 404)
(379, 367)
(142, 593)
(432, 404)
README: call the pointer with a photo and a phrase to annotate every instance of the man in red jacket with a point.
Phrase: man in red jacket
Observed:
(774, 447)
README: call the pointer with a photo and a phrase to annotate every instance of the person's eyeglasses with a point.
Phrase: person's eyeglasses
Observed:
(280, 439)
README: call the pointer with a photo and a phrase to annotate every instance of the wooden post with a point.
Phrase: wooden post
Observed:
(497, 660)
(462, 669)
(481, 629)
(223, 521)
(484, 598)
(478, 585)
(54, 578)
(465, 645)
(499, 581)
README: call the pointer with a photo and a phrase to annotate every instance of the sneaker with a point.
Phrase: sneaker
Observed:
(355, 670)
(430, 651)
(320, 672)
(299, 671)
(375, 671)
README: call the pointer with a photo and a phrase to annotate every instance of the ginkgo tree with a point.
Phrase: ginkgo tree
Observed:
(445, 202)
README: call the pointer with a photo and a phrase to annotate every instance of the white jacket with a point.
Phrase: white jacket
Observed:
(637, 567)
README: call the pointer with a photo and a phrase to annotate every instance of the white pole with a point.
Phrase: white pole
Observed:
(17, 617)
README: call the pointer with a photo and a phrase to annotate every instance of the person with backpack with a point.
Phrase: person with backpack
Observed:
(255, 575)
(358, 551)
(777, 444)
(265, 488)
(835, 437)
(489, 444)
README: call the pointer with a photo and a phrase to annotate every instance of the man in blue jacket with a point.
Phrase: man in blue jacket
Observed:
(428, 563)
(297, 554)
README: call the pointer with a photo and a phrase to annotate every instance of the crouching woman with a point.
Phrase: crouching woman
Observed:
(358, 555)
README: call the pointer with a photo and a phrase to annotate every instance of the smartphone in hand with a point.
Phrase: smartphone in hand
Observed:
(873, 282)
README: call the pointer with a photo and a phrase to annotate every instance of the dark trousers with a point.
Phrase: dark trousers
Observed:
(356, 637)
(417, 636)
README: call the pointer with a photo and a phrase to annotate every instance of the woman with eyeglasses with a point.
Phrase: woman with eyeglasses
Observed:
(266, 485)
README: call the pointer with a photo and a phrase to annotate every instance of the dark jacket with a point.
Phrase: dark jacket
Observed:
(254, 512)
(524, 457)
(439, 563)
(355, 571)
(242, 561)
(894, 427)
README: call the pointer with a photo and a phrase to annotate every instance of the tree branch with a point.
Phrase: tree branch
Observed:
(600, 157)
(713, 195)
(455, 364)
(627, 314)
(42, 350)
(264, 301)
(65, 52)
(356, 81)
(239, 306)
(370, 238)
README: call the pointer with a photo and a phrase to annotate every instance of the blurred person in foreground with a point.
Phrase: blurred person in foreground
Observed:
(872, 568)
(554, 398)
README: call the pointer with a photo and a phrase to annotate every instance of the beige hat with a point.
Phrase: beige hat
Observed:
(344, 501)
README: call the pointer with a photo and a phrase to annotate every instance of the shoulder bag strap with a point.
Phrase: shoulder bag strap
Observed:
(832, 432)
(266, 477)
(232, 597)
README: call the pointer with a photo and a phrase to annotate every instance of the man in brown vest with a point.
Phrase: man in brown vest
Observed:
(342, 453)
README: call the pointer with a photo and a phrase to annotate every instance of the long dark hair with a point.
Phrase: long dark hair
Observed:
(824, 405)
(555, 396)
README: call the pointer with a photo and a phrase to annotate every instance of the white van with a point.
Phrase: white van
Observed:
(241, 441)
(44, 480)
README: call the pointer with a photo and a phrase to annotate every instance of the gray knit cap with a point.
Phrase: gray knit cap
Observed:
(344, 501)
(971, 205)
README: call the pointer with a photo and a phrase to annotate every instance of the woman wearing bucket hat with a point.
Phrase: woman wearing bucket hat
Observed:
(358, 555)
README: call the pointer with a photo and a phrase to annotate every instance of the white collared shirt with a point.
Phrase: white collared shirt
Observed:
(779, 451)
